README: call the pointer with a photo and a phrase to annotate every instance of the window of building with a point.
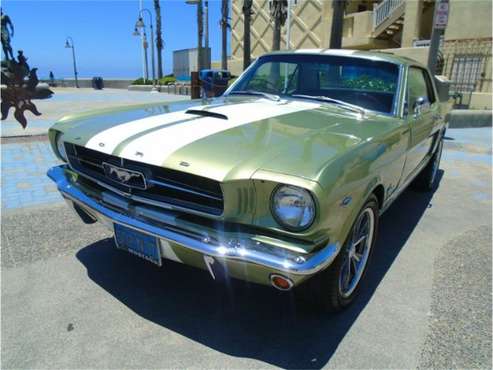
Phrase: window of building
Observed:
(466, 72)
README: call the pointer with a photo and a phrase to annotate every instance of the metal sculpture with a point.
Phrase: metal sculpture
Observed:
(19, 81)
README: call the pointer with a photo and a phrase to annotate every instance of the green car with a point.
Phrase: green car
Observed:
(281, 181)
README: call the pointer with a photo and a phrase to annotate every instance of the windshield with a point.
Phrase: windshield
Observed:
(361, 82)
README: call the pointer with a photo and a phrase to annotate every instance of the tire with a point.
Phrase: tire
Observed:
(329, 290)
(426, 179)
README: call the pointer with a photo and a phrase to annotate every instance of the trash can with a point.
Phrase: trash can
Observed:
(97, 83)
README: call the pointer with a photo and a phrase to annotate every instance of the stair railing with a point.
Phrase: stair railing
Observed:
(384, 10)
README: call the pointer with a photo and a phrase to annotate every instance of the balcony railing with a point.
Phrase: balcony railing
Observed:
(384, 10)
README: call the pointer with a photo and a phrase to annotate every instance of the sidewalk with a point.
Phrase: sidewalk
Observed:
(24, 182)
(71, 100)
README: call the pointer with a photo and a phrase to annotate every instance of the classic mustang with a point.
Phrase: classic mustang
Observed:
(281, 181)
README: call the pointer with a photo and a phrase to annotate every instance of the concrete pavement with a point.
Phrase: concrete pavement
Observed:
(71, 300)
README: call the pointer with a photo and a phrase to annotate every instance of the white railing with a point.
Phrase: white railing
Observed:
(384, 10)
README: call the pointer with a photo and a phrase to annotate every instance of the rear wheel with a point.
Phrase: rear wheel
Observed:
(426, 179)
(337, 286)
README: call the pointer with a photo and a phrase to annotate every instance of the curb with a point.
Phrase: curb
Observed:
(469, 118)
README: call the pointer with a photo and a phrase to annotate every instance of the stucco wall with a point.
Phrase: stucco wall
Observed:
(469, 19)
(310, 28)
(481, 101)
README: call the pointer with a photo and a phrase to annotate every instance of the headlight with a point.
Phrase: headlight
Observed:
(60, 147)
(293, 207)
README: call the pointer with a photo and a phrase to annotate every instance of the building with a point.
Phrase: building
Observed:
(400, 26)
(185, 61)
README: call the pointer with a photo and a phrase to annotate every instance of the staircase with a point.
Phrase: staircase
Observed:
(388, 19)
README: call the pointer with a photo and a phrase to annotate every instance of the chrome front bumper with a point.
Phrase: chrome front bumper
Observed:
(246, 250)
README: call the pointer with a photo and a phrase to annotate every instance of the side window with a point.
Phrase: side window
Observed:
(419, 85)
(416, 86)
(429, 87)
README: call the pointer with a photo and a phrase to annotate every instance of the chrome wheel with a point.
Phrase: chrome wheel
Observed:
(357, 252)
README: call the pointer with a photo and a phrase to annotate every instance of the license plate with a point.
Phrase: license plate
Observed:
(140, 244)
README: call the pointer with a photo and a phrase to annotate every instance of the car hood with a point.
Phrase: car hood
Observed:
(227, 139)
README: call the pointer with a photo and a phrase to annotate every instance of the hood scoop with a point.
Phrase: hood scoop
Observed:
(206, 113)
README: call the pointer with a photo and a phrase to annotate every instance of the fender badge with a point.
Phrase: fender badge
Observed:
(346, 201)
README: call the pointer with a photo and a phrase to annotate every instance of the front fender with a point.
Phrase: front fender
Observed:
(349, 182)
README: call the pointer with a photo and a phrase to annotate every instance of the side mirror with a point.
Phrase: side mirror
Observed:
(420, 105)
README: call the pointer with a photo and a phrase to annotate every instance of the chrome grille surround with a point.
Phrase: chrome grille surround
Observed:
(165, 188)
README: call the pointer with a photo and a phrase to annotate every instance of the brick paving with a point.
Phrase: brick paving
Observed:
(24, 182)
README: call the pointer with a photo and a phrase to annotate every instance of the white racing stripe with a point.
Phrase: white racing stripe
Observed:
(106, 141)
(158, 145)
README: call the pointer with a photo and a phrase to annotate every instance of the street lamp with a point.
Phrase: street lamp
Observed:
(69, 44)
(143, 35)
(140, 24)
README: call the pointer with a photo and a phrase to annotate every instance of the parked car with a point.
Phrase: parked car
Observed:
(214, 82)
(279, 182)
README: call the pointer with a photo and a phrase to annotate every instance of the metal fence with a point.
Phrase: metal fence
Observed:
(467, 64)
(177, 89)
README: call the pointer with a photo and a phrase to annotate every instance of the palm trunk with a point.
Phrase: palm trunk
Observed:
(224, 30)
(276, 37)
(200, 31)
(247, 12)
(337, 24)
(278, 13)
(159, 40)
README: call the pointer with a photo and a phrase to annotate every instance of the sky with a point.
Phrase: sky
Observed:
(102, 34)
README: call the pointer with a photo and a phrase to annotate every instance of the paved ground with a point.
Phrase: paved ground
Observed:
(24, 166)
(71, 100)
(71, 300)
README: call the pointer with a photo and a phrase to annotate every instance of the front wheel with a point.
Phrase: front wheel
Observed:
(337, 286)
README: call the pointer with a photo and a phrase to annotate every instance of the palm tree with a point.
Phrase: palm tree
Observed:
(247, 14)
(159, 40)
(278, 13)
(224, 29)
(200, 31)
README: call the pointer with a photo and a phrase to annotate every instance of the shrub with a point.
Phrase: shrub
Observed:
(166, 80)
(140, 81)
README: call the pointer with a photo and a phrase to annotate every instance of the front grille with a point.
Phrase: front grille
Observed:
(164, 186)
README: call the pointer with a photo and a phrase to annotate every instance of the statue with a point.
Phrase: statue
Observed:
(19, 81)
(22, 60)
(6, 23)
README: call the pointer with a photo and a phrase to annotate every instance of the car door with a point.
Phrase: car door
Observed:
(422, 109)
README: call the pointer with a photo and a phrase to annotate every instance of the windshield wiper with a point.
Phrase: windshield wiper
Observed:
(254, 92)
(343, 104)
